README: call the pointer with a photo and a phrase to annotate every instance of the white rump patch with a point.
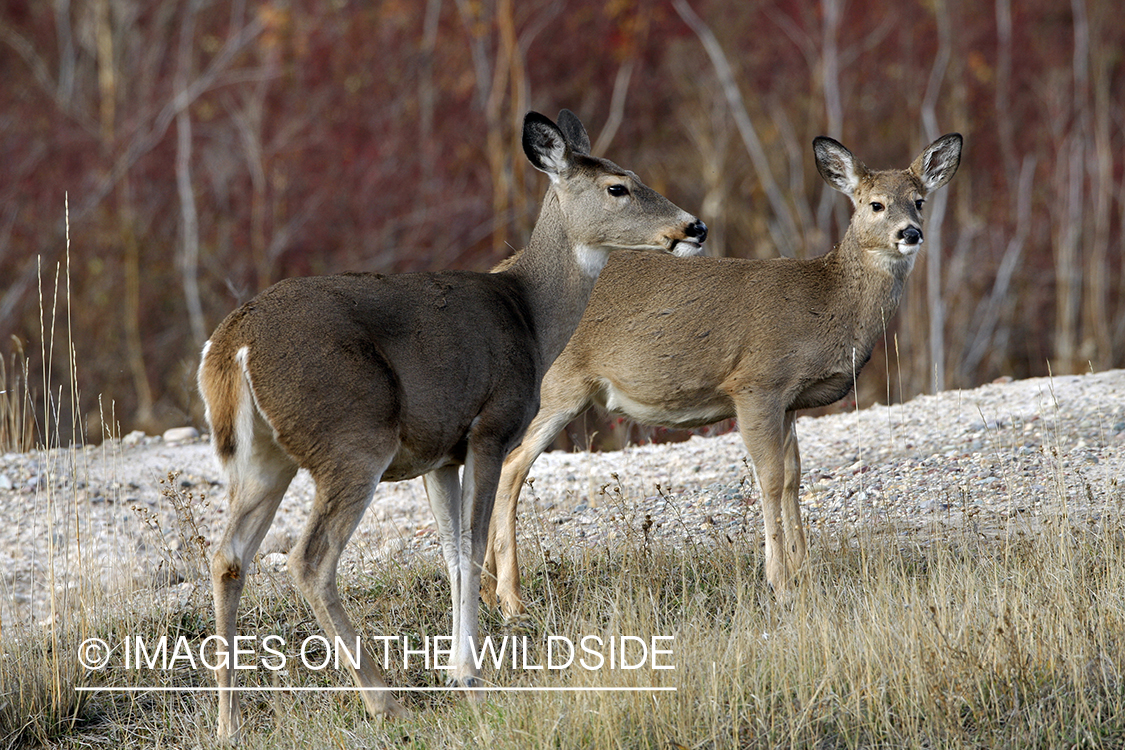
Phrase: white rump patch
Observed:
(199, 379)
(249, 410)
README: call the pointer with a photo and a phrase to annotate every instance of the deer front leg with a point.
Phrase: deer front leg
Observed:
(763, 431)
(795, 547)
(478, 493)
(500, 582)
(443, 489)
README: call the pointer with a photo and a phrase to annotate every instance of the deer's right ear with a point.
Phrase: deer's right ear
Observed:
(545, 145)
(837, 165)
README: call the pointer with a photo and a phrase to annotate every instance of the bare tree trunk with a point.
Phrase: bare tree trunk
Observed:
(938, 204)
(189, 248)
(1068, 271)
(498, 161)
(67, 52)
(708, 126)
(1098, 346)
(1071, 176)
(134, 344)
(616, 107)
(517, 106)
(426, 95)
(107, 87)
(832, 11)
(1003, 93)
(989, 311)
(783, 230)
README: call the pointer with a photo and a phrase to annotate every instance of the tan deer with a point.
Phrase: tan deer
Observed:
(684, 342)
(362, 378)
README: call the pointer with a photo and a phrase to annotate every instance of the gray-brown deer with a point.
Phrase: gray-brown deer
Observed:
(684, 342)
(362, 378)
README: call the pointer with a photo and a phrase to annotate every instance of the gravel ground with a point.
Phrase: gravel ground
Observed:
(1003, 455)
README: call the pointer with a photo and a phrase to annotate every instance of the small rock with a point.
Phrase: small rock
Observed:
(275, 561)
(180, 434)
(5, 483)
(133, 438)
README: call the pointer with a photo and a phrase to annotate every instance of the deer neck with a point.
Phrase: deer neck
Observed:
(558, 278)
(868, 286)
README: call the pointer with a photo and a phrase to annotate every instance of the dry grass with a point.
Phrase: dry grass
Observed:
(892, 640)
(17, 427)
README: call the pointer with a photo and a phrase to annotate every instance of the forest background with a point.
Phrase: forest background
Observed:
(208, 149)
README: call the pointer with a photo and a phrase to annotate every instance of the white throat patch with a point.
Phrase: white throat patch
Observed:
(591, 259)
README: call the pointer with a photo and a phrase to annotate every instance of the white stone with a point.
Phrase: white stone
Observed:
(134, 437)
(180, 434)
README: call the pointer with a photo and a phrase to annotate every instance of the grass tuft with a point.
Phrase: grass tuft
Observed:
(890, 640)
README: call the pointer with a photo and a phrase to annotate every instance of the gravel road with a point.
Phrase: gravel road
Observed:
(1002, 454)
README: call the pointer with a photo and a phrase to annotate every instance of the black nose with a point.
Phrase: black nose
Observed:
(911, 235)
(697, 229)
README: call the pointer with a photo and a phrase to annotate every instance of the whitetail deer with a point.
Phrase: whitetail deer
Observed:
(362, 378)
(684, 342)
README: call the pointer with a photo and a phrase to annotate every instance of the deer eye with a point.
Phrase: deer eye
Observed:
(617, 190)
(918, 204)
(877, 207)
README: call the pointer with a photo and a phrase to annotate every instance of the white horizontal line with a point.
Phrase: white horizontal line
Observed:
(305, 689)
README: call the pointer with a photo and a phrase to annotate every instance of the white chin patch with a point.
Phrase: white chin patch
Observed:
(684, 249)
(905, 249)
(591, 259)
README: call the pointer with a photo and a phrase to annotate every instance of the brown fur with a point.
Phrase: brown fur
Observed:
(361, 378)
(684, 342)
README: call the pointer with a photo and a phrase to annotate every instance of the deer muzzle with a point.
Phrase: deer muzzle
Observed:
(691, 243)
(909, 238)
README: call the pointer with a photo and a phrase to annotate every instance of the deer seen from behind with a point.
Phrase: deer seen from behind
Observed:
(685, 342)
(363, 378)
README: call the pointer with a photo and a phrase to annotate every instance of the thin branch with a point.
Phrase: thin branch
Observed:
(787, 235)
(189, 250)
(616, 107)
(988, 312)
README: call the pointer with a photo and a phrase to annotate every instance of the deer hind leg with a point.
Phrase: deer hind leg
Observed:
(342, 495)
(763, 432)
(259, 474)
(443, 489)
(795, 548)
(500, 581)
(478, 493)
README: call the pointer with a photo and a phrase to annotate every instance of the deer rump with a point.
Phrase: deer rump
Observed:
(435, 354)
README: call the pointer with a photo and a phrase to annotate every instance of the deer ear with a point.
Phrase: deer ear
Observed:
(545, 145)
(574, 132)
(938, 163)
(837, 165)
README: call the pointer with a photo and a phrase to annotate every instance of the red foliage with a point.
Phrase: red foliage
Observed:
(336, 136)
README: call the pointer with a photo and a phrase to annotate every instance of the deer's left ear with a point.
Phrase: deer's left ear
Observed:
(938, 163)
